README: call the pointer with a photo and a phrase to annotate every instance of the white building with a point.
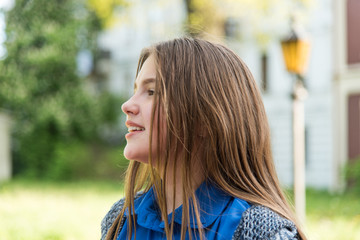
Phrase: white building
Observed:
(319, 156)
(141, 24)
(330, 80)
(346, 83)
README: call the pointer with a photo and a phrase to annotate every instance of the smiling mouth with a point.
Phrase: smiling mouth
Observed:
(135, 129)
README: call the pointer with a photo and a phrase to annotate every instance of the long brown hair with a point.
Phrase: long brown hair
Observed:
(207, 93)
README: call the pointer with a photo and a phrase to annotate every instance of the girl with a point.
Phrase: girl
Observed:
(199, 143)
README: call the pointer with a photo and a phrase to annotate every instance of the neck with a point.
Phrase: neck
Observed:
(173, 202)
(175, 185)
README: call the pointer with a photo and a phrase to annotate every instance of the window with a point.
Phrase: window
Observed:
(353, 32)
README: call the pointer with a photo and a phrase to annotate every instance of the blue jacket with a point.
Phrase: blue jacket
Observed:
(222, 217)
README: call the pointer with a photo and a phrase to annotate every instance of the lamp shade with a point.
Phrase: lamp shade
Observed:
(296, 53)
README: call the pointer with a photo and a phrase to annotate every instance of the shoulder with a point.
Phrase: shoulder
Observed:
(110, 217)
(259, 222)
(113, 213)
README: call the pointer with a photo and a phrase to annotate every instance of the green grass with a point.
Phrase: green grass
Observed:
(333, 216)
(54, 211)
(69, 211)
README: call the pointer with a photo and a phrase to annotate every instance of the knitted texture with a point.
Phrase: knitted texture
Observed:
(257, 223)
(111, 216)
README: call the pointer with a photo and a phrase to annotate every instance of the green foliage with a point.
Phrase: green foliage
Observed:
(352, 173)
(203, 17)
(332, 216)
(41, 89)
(104, 10)
(77, 160)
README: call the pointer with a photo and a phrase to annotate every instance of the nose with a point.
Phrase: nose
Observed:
(130, 107)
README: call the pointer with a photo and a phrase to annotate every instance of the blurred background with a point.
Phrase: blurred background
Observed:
(66, 67)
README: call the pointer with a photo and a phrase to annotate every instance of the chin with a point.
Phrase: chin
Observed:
(134, 155)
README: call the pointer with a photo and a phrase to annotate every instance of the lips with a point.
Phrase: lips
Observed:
(134, 127)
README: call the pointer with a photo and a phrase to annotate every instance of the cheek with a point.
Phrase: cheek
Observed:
(163, 131)
(159, 122)
(159, 134)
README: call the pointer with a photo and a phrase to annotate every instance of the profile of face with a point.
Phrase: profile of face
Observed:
(138, 110)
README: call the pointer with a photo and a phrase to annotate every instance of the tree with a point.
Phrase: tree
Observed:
(203, 17)
(39, 84)
(259, 20)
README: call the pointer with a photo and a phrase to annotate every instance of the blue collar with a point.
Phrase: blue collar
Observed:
(212, 202)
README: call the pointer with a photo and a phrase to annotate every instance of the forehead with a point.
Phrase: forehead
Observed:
(147, 72)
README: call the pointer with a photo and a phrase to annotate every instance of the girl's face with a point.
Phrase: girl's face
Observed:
(138, 110)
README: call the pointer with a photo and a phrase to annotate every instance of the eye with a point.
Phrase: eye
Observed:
(151, 92)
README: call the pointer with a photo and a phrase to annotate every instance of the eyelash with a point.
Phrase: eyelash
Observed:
(151, 92)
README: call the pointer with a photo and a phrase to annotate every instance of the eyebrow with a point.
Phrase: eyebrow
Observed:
(144, 82)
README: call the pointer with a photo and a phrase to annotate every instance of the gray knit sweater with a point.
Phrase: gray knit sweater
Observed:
(257, 222)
